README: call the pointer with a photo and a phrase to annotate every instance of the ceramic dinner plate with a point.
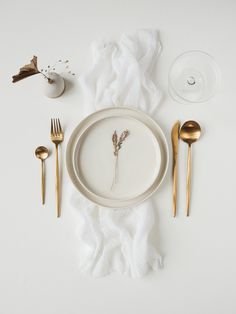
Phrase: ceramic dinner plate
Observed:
(142, 160)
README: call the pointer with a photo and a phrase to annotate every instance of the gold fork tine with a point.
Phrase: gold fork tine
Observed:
(58, 131)
(59, 126)
(55, 127)
(51, 127)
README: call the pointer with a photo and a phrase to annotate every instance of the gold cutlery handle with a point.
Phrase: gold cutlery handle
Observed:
(57, 184)
(188, 180)
(174, 185)
(43, 181)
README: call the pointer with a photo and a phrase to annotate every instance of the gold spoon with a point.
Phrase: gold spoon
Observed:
(42, 153)
(189, 133)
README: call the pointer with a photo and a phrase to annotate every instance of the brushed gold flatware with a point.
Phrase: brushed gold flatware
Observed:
(57, 137)
(189, 133)
(42, 153)
(175, 147)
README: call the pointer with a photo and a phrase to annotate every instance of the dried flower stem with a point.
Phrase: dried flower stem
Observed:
(115, 177)
(117, 144)
(50, 81)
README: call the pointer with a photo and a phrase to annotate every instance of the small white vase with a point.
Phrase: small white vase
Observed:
(55, 87)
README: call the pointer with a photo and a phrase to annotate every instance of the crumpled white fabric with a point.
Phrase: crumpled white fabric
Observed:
(118, 240)
(120, 75)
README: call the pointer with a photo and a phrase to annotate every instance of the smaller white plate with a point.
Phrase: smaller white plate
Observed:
(142, 160)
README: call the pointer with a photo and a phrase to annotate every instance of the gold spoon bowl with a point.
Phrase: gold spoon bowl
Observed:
(190, 132)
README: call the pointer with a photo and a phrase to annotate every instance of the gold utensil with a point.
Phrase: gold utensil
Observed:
(189, 133)
(57, 137)
(175, 144)
(42, 153)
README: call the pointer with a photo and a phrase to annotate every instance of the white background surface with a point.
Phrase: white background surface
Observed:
(38, 271)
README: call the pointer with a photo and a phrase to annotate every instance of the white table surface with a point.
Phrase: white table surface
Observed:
(38, 262)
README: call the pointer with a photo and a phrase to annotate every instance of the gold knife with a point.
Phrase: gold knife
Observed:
(175, 146)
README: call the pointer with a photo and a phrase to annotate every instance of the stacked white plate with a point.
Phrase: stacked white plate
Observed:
(142, 162)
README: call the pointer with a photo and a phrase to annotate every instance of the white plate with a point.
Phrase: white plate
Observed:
(142, 161)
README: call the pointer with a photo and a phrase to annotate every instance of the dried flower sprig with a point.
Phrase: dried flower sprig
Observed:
(29, 70)
(115, 141)
(117, 144)
(32, 69)
(61, 66)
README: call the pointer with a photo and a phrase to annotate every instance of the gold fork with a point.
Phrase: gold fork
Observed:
(57, 137)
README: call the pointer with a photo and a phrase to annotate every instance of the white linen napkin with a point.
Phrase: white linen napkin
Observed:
(118, 240)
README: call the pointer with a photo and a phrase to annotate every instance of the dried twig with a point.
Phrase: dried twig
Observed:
(117, 144)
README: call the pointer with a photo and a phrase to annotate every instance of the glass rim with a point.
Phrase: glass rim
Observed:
(217, 75)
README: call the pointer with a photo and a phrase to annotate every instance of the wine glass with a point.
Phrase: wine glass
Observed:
(193, 77)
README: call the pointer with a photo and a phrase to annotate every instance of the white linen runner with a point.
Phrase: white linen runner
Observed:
(118, 240)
